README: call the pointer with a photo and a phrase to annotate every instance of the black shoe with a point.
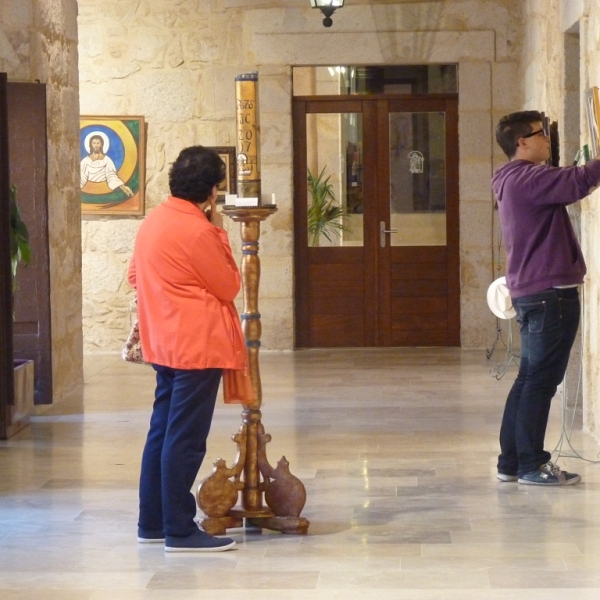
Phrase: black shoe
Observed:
(549, 474)
(150, 537)
(199, 541)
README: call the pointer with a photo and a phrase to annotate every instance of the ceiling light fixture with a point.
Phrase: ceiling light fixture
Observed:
(327, 7)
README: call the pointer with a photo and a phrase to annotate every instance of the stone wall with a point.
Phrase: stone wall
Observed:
(38, 41)
(16, 19)
(197, 64)
(175, 63)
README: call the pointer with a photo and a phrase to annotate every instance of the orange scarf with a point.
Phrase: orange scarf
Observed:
(237, 383)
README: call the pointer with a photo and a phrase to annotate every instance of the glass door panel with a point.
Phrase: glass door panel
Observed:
(341, 80)
(417, 178)
(334, 147)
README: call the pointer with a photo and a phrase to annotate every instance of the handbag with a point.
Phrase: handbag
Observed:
(132, 350)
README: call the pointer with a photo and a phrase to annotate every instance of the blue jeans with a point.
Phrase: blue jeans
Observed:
(175, 447)
(548, 324)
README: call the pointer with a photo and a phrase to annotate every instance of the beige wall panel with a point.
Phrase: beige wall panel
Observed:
(475, 135)
(476, 229)
(276, 139)
(336, 48)
(475, 88)
(482, 332)
(277, 314)
(475, 181)
(506, 88)
(16, 19)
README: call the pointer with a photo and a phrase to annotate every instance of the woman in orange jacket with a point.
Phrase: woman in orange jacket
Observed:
(186, 279)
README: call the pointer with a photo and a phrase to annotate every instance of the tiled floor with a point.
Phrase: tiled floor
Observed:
(397, 450)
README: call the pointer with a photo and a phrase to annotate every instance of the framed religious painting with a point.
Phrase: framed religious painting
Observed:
(112, 152)
(228, 185)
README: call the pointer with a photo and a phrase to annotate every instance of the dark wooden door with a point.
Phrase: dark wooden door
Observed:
(27, 146)
(419, 299)
(388, 273)
(6, 354)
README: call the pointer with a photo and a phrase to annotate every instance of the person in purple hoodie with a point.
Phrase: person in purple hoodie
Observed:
(544, 267)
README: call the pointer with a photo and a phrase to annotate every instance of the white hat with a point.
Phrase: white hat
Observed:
(499, 301)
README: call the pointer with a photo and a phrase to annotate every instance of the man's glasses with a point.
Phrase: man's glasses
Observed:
(538, 132)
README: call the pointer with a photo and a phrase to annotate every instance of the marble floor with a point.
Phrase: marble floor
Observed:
(396, 448)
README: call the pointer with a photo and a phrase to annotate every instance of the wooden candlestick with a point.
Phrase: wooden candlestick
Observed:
(252, 477)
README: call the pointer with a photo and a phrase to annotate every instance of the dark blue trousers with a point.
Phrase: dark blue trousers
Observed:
(175, 447)
(548, 325)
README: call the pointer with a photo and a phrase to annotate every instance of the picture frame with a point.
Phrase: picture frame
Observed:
(112, 164)
(229, 185)
(592, 103)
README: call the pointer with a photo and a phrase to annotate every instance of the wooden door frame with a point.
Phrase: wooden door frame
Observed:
(424, 103)
(28, 162)
(374, 110)
(303, 105)
(301, 304)
(6, 343)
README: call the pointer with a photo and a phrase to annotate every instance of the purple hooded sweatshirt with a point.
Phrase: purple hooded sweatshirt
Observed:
(541, 247)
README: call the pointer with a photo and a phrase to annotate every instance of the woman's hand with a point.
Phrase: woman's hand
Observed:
(215, 217)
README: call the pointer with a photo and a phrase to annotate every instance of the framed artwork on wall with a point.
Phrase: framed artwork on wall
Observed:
(113, 172)
(592, 103)
(229, 185)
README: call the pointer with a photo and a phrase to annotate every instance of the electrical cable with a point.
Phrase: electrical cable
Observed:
(567, 429)
(499, 369)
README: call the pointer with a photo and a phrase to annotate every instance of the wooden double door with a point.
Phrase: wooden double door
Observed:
(376, 221)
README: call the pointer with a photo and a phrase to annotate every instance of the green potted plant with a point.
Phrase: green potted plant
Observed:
(20, 409)
(325, 215)
(20, 250)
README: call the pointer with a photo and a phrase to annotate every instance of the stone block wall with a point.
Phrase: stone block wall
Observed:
(38, 41)
(175, 63)
(186, 75)
(16, 19)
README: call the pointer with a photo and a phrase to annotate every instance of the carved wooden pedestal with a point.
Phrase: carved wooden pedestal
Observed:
(252, 477)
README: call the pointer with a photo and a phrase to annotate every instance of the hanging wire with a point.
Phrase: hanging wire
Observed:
(568, 423)
(498, 370)
(568, 427)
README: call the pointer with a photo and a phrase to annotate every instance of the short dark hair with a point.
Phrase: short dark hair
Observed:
(96, 137)
(195, 172)
(513, 127)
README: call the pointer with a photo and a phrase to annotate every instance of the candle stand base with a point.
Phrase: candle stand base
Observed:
(284, 493)
(252, 479)
(240, 518)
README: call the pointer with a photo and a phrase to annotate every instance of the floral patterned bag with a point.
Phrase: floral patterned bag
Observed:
(132, 351)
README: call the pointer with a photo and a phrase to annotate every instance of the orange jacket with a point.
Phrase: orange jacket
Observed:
(186, 280)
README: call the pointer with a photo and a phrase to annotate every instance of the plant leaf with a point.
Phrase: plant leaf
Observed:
(20, 248)
(324, 214)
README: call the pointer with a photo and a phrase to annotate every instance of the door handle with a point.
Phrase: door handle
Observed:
(383, 231)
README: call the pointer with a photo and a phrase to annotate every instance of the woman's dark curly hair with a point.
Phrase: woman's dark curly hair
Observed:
(195, 172)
